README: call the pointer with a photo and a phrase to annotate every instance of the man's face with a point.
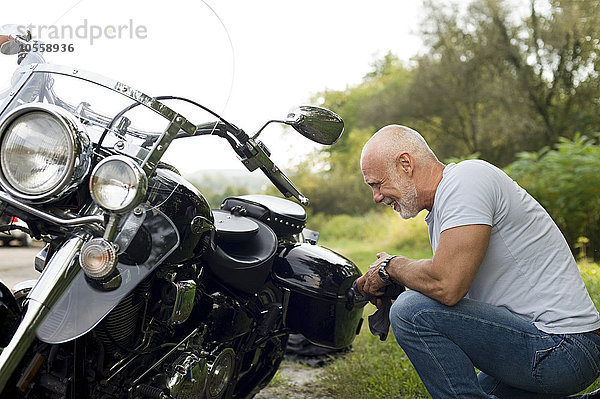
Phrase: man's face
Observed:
(393, 188)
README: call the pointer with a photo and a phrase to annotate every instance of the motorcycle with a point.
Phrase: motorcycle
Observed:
(145, 291)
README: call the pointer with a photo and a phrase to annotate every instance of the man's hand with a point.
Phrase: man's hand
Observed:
(370, 283)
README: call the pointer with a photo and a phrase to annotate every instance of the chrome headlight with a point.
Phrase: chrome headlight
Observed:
(118, 184)
(44, 151)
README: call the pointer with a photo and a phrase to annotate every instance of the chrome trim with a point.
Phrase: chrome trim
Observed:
(123, 89)
(184, 301)
(56, 277)
(140, 176)
(79, 157)
(78, 221)
(197, 335)
(26, 74)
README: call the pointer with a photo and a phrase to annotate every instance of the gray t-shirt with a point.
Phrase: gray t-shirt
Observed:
(528, 267)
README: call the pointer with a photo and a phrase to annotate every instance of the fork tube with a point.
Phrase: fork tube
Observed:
(55, 279)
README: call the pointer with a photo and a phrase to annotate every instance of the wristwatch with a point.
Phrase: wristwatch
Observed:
(383, 273)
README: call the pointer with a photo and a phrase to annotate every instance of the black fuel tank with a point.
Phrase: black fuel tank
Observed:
(318, 279)
(187, 208)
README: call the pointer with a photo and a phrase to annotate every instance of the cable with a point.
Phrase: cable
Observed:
(159, 98)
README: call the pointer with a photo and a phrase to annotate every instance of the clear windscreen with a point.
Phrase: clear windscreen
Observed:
(177, 49)
(108, 116)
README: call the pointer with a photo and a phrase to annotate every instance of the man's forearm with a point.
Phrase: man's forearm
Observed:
(420, 275)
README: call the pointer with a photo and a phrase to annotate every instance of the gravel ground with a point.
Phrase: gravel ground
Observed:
(297, 381)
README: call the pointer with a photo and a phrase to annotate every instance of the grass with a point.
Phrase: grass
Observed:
(376, 369)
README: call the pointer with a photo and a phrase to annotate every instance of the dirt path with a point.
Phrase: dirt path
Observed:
(295, 381)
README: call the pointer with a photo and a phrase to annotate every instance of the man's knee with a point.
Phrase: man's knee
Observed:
(409, 303)
(405, 309)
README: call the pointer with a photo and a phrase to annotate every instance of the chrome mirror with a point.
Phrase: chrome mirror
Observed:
(10, 37)
(317, 124)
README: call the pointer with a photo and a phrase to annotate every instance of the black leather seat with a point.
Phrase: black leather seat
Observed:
(283, 216)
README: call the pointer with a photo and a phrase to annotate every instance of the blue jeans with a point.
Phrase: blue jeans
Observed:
(516, 359)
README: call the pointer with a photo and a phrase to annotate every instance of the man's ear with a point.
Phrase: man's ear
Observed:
(405, 163)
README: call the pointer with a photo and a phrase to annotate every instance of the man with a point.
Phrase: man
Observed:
(502, 292)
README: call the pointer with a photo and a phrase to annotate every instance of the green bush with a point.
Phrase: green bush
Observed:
(566, 181)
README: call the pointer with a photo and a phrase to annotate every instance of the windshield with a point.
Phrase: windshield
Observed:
(115, 115)
(181, 48)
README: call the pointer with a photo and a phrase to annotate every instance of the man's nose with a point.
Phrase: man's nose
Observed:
(377, 196)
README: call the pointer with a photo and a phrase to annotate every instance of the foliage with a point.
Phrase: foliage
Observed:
(340, 188)
(216, 197)
(498, 77)
(386, 230)
(374, 369)
(360, 238)
(566, 182)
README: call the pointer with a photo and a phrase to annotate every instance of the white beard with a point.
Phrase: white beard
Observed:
(408, 205)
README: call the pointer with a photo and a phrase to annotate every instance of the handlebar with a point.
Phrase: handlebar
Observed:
(254, 155)
(260, 159)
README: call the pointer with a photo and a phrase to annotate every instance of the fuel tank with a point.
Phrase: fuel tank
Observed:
(187, 208)
(319, 279)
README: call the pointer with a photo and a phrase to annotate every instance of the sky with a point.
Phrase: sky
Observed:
(250, 61)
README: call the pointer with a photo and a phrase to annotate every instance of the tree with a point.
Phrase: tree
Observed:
(495, 82)
(339, 186)
(498, 78)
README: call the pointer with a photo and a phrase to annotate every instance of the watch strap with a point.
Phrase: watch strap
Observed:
(383, 273)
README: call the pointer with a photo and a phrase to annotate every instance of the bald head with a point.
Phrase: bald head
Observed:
(393, 140)
(401, 170)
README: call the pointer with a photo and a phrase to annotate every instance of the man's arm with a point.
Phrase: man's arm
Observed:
(445, 278)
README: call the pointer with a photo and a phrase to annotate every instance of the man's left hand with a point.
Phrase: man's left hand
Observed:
(370, 283)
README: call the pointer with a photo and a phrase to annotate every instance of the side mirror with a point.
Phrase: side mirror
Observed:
(10, 39)
(317, 124)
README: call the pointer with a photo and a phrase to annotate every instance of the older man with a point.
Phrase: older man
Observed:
(502, 292)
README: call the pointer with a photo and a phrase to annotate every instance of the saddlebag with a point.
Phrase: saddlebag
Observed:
(319, 279)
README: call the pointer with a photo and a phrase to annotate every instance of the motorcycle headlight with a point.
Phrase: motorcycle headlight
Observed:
(44, 151)
(118, 183)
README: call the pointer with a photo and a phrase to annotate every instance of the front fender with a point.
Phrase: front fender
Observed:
(9, 315)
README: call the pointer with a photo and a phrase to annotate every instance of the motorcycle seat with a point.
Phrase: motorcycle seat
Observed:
(244, 251)
(283, 216)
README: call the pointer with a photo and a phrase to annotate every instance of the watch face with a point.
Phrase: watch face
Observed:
(384, 274)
